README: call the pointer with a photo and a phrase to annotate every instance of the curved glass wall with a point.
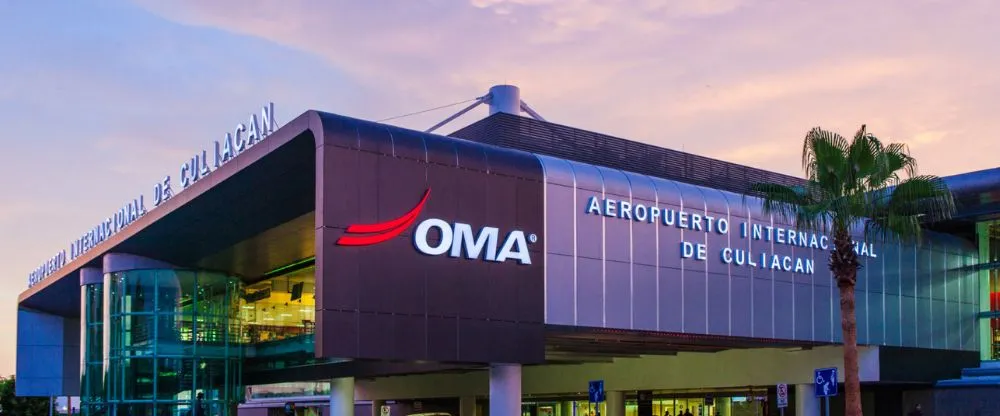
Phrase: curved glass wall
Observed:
(92, 358)
(171, 342)
(989, 250)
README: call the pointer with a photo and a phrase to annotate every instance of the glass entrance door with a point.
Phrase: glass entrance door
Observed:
(726, 405)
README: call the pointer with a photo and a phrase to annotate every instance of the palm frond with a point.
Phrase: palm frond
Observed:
(891, 164)
(823, 159)
(779, 199)
(792, 202)
(924, 195)
(862, 158)
(897, 157)
(894, 228)
(859, 182)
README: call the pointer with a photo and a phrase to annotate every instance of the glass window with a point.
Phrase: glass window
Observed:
(94, 298)
(991, 255)
(173, 335)
(280, 308)
(138, 291)
(138, 376)
(169, 341)
(92, 383)
(174, 377)
(292, 389)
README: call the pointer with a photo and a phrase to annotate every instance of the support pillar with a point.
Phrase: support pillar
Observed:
(724, 406)
(615, 403)
(566, 409)
(467, 406)
(377, 407)
(505, 389)
(342, 396)
(806, 402)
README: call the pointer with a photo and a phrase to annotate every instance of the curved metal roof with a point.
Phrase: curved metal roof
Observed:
(977, 194)
(986, 180)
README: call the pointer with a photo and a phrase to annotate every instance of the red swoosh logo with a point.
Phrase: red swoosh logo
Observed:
(379, 232)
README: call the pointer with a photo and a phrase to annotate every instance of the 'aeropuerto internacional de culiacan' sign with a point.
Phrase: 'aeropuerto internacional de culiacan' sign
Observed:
(684, 220)
(244, 136)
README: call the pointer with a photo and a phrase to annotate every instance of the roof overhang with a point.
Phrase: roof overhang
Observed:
(248, 216)
(977, 194)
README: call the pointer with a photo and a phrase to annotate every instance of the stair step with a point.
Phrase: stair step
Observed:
(971, 381)
(980, 372)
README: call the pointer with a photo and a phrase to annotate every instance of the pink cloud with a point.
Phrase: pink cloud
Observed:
(735, 79)
(731, 74)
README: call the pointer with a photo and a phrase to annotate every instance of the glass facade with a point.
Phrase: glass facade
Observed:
(714, 404)
(290, 389)
(280, 308)
(989, 250)
(167, 341)
(92, 356)
(162, 341)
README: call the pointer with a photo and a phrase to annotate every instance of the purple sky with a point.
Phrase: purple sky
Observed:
(101, 99)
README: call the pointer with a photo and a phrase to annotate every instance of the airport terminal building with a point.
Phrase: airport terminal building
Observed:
(352, 267)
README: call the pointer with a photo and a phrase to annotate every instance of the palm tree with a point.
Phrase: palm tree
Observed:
(857, 182)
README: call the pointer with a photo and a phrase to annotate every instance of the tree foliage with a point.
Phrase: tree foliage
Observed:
(864, 183)
(12, 405)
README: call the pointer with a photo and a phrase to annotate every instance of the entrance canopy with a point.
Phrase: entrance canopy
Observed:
(250, 216)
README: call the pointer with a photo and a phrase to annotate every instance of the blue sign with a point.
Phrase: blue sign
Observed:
(596, 391)
(826, 382)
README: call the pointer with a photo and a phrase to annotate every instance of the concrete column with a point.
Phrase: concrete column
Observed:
(806, 402)
(467, 406)
(377, 407)
(724, 406)
(565, 409)
(505, 389)
(615, 403)
(342, 396)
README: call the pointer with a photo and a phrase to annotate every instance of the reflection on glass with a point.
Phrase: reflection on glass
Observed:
(92, 359)
(292, 389)
(172, 335)
(750, 403)
(156, 340)
(584, 408)
(992, 255)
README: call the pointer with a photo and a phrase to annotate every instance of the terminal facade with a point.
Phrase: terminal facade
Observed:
(351, 267)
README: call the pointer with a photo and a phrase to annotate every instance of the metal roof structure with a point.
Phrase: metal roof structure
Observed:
(546, 138)
(977, 194)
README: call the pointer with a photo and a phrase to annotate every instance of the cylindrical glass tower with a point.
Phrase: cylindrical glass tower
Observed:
(169, 341)
(92, 356)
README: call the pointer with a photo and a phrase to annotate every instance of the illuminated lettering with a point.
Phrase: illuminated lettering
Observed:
(458, 240)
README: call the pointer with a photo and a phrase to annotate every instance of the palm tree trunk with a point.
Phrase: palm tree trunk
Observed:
(849, 323)
(844, 265)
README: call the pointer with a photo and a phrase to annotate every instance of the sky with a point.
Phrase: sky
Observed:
(100, 99)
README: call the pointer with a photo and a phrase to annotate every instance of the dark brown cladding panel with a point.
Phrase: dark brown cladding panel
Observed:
(389, 301)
